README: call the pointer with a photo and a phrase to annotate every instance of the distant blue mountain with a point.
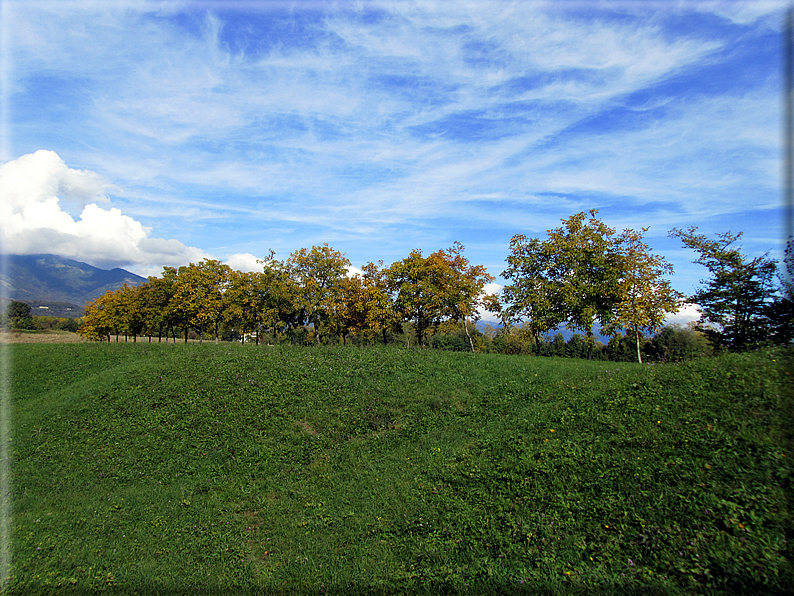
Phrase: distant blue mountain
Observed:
(567, 334)
(42, 280)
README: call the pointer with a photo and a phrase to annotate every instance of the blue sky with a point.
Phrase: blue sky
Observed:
(142, 134)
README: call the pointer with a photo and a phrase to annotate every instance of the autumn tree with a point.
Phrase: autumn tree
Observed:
(244, 298)
(347, 314)
(199, 290)
(99, 320)
(366, 304)
(377, 302)
(645, 297)
(417, 284)
(319, 273)
(734, 299)
(157, 295)
(131, 312)
(464, 294)
(572, 278)
(443, 285)
(178, 311)
(283, 306)
(261, 299)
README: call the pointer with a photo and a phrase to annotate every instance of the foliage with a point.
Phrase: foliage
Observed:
(443, 285)
(18, 316)
(740, 290)
(199, 290)
(517, 340)
(131, 305)
(156, 304)
(677, 344)
(160, 468)
(100, 319)
(572, 277)
(645, 296)
(583, 273)
(453, 336)
(246, 303)
(318, 273)
(780, 312)
(60, 323)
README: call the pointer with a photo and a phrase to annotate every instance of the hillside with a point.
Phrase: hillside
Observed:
(217, 469)
(42, 280)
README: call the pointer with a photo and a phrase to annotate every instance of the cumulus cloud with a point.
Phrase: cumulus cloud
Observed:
(489, 289)
(353, 271)
(687, 314)
(34, 220)
(245, 262)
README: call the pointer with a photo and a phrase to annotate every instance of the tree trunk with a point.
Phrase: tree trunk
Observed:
(637, 338)
(590, 344)
(471, 343)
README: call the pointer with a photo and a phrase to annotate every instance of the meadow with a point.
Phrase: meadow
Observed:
(234, 469)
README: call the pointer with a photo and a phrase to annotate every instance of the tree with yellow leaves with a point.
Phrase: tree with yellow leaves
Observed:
(318, 273)
(645, 296)
(198, 293)
(100, 319)
(441, 286)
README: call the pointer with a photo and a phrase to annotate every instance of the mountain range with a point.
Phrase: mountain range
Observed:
(56, 286)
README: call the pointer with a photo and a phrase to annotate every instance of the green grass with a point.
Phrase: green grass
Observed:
(221, 469)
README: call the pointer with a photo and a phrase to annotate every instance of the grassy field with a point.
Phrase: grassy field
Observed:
(228, 469)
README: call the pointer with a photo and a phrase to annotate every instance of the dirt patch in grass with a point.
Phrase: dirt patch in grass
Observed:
(307, 427)
(39, 337)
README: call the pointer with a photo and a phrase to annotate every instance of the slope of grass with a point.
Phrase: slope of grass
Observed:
(216, 469)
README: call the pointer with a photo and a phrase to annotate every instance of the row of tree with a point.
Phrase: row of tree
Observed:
(582, 275)
(312, 289)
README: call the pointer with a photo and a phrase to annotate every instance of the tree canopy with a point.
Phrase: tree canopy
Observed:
(736, 298)
(584, 273)
(572, 277)
(581, 275)
(441, 286)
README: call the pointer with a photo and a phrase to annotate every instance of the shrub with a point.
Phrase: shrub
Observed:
(512, 340)
(677, 344)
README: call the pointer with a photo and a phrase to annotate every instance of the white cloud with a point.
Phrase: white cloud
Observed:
(33, 220)
(245, 262)
(354, 271)
(492, 288)
(221, 122)
(489, 289)
(688, 313)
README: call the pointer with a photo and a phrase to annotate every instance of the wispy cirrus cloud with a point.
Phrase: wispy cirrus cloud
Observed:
(385, 126)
